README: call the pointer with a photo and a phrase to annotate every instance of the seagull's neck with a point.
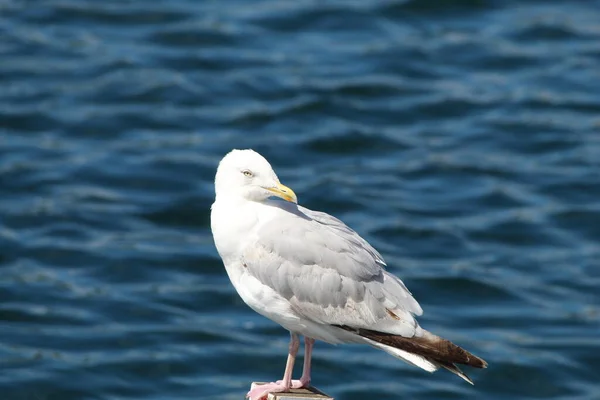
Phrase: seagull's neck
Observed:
(227, 198)
(234, 222)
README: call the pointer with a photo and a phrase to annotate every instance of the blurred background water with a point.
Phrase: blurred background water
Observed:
(461, 138)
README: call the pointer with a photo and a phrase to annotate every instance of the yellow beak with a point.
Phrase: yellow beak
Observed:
(284, 192)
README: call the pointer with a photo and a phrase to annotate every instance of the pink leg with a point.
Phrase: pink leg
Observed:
(308, 346)
(304, 381)
(258, 392)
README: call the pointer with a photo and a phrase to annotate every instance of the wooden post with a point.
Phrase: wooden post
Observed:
(310, 393)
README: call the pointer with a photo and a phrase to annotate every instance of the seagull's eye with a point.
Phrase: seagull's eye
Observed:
(247, 173)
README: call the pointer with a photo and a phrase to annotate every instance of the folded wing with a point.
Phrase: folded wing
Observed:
(331, 275)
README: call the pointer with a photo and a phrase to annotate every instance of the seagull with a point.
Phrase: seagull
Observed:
(313, 275)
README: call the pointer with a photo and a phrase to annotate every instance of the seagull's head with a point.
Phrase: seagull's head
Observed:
(247, 174)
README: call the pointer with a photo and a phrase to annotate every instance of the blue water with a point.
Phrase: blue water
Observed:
(461, 138)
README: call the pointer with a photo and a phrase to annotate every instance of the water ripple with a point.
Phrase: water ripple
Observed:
(459, 138)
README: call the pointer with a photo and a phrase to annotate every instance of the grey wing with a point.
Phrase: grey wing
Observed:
(332, 276)
(344, 231)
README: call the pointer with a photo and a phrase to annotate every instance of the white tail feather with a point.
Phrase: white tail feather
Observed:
(418, 361)
(455, 370)
(412, 359)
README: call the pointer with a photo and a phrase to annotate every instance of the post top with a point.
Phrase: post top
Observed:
(310, 393)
